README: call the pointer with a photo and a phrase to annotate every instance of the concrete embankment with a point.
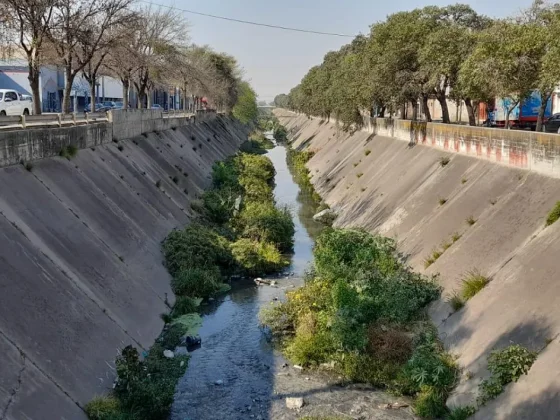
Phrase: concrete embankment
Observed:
(81, 272)
(399, 188)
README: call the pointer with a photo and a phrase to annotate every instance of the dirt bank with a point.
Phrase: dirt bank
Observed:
(387, 186)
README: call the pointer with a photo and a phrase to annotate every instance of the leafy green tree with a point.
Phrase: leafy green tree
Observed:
(245, 109)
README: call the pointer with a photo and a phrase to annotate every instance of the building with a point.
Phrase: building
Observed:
(13, 75)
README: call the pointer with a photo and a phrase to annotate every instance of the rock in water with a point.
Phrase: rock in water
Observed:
(326, 216)
(294, 403)
(169, 354)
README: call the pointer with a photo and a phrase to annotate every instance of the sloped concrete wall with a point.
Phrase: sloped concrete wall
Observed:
(396, 189)
(81, 271)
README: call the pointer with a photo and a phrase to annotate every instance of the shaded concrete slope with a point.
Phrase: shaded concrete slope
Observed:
(396, 190)
(81, 271)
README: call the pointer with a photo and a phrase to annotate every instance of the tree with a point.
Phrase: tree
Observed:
(281, 101)
(504, 69)
(31, 21)
(245, 109)
(79, 32)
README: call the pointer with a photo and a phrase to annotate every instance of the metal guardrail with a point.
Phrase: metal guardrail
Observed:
(51, 120)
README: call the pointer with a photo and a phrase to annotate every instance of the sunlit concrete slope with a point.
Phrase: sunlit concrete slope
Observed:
(81, 271)
(402, 190)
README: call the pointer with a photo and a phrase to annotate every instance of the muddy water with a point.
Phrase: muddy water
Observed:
(236, 374)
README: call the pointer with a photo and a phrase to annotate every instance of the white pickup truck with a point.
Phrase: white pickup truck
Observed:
(14, 103)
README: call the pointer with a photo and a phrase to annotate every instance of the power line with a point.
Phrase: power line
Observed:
(247, 22)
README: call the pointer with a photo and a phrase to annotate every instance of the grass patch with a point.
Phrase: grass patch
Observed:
(464, 181)
(175, 179)
(470, 220)
(442, 201)
(461, 413)
(455, 301)
(455, 237)
(120, 147)
(472, 283)
(493, 202)
(361, 174)
(554, 214)
(29, 166)
(444, 161)
(158, 183)
(367, 152)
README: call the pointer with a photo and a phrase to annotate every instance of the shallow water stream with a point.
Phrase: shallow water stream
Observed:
(236, 374)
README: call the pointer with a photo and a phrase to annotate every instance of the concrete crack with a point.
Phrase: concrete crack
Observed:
(16, 389)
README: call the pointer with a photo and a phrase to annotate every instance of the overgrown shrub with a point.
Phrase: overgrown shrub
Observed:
(430, 403)
(262, 221)
(196, 246)
(197, 282)
(554, 214)
(185, 305)
(257, 257)
(461, 413)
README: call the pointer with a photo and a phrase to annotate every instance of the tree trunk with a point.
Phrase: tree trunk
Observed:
(444, 109)
(69, 77)
(35, 90)
(470, 111)
(382, 112)
(426, 108)
(92, 92)
(150, 98)
(542, 109)
(507, 127)
(415, 111)
(125, 91)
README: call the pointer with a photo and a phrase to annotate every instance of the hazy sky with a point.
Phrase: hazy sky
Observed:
(275, 60)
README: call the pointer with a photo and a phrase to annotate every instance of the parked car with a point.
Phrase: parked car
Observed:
(98, 106)
(110, 104)
(11, 103)
(552, 125)
(157, 107)
(119, 105)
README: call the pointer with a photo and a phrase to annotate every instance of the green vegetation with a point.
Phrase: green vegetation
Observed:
(554, 214)
(367, 152)
(461, 413)
(363, 309)
(464, 181)
(506, 365)
(444, 161)
(473, 283)
(442, 201)
(455, 301)
(455, 237)
(297, 161)
(245, 109)
(470, 220)
(240, 230)
(436, 50)
(29, 166)
(434, 256)
(258, 143)
(68, 152)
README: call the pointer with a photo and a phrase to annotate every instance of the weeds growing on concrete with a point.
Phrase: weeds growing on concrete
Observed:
(367, 152)
(175, 179)
(72, 150)
(442, 201)
(461, 413)
(356, 164)
(29, 166)
(493, 202)
(455, 301)
(361, 174)
(455, 237)
(158, 183)
(444, 161)
(464, 181)
(554, 214)
(506, 365)
(470, 220)
(472, 283)
(120, 147)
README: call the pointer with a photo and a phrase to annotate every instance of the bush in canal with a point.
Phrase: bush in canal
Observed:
(145, 388)
(218, 205)
(257, 257)
(196, 246)
(363, 309)
(254, 167)
(197, 282)
(263, 221)
(103, 408)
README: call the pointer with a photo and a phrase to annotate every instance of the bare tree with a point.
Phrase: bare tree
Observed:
(30, 21)
(154, 44)
(83, 22)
